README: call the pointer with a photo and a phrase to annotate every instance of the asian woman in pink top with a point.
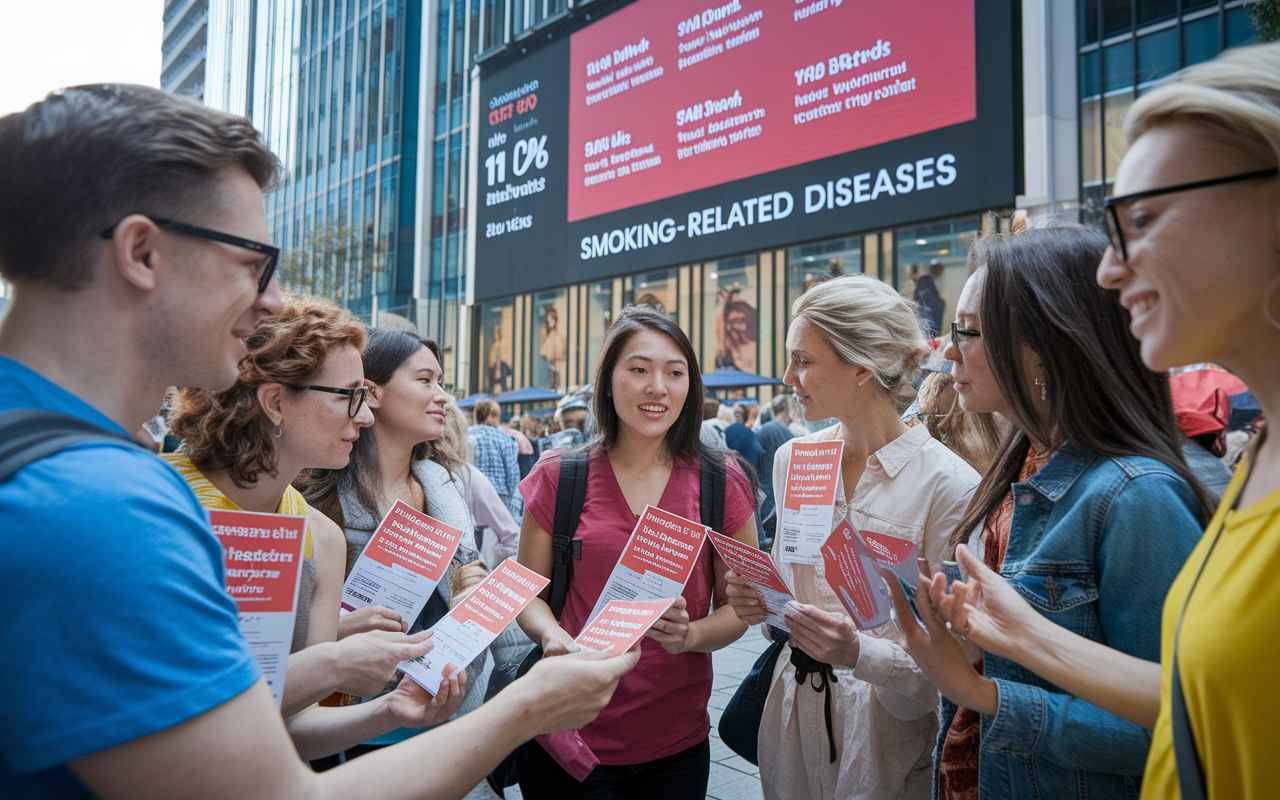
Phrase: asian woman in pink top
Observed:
(651, 740)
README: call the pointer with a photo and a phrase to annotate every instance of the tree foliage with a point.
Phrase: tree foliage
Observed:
(1266, 19)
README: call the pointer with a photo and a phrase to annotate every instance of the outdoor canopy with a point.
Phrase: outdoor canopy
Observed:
(529, 394)
(470, 400)
(734, 378)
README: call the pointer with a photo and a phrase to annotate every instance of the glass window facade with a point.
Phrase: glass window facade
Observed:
(933, 261)
(1125, 48)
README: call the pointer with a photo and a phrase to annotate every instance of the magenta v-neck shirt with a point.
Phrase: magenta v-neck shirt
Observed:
(660, 707)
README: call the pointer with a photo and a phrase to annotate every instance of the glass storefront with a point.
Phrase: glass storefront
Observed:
(653, 289)
(933, 262)
(810, 263)
(550, 345)
(730, 314)
(497, 343)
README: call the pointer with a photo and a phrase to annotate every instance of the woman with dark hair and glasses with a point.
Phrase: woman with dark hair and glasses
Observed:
(299, 402)
(1088, 509)
(1193, 259)
(402, 456)
(651, 740)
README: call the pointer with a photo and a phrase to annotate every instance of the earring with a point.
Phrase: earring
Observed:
(1266, 302)
(1044, 391)
(279, 432)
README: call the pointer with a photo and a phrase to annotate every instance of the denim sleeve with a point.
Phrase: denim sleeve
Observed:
(1148, 532)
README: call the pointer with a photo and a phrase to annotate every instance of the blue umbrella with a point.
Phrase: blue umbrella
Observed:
(1244, 409)
(470, 400)
(529, 394)
(734, 378)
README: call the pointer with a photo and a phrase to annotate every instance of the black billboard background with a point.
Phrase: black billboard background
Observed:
(987, 155)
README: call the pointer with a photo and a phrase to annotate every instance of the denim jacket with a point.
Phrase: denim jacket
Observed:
(1094, 545)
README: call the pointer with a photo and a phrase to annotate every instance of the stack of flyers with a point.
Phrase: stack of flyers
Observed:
(852, 559)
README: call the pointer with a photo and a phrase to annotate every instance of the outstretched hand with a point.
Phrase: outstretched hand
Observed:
(985, 609)
(411, 706)
(938, 653)
(744, 598)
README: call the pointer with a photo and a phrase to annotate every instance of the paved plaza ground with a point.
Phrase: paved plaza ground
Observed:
(731, 777)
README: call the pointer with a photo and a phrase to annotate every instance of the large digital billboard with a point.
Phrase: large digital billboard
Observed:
(671, 131)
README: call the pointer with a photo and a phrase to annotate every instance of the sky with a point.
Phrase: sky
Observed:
(49, 44)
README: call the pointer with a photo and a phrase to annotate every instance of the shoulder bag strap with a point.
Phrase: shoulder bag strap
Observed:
(28, 435)
(571, 492)
(711, 495)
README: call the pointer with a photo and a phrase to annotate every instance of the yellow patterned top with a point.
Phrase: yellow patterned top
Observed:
(212, 497)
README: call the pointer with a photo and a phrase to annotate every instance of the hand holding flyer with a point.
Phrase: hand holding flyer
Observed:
(658, 559)
(809, 500)
(757, 567)
(852, 558)
(471, 627)
(263, 555)
(620, 625)
(402, 563)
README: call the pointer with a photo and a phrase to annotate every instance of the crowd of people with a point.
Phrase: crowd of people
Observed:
(1095, 611)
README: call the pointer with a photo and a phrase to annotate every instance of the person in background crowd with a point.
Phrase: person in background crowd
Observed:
(403, 457)
(772, 435)
(112, 305)
(973, 436)
(928, 300)
(797, 424)
(1089, 507)
(742, 440)
(573, 417)
(711, 433)
(501, 534)
(497, 454)
(1204, 412)
(652, 741)
(1193, 259)
(299, 403)
(853, 344)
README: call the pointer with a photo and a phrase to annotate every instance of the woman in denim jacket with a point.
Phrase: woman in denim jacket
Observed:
(1102, 512)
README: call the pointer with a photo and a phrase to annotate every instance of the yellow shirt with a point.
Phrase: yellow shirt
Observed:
(1228, 656)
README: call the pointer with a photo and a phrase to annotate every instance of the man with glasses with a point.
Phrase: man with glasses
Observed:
(131, 229)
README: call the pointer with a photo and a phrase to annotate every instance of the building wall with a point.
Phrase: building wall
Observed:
(183, 47)
(1124, 49)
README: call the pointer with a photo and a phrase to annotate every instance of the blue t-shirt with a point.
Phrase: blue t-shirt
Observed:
(117, 624)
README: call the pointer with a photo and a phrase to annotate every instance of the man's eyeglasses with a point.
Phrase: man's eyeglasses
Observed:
(357, 395)
(964, 335)
(1120, 221)
(266, 270)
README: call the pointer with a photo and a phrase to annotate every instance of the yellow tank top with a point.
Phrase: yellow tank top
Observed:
(1228, 656)
(211, 496)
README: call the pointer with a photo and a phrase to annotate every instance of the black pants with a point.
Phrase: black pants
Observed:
(675, 777)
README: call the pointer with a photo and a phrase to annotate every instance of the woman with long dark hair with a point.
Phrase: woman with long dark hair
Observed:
(1089, 509)
(402, 457)
(651, 740)
(1193, 260)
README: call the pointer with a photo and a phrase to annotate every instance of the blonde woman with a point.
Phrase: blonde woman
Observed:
(854, 344)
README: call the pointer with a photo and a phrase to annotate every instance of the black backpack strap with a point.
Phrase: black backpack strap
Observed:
(30, 434)
(571, 493)
(711, 495)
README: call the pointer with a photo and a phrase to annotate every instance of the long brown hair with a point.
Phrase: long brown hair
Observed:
(228, 430)
(1039, 291)
(386, 351)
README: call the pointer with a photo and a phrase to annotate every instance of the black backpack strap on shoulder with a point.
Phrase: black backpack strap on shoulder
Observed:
(711, 495)
(571, 493)
(28, 435)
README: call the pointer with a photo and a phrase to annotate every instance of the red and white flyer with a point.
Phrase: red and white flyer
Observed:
(405, 559)
(473, 625)
(852, 559)
(263, 555)
(620, 625)
(809, 500)
(757, 567)
(657, 561)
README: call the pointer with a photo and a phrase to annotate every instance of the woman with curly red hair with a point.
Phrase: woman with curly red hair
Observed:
(299, 403)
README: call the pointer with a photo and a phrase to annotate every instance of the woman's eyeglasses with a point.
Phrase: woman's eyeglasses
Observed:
(1120, 225)
(357, 395)
(963, 336)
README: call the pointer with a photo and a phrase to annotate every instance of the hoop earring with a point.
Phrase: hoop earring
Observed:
(279, 432)
(1044, 390)
(1266, 302)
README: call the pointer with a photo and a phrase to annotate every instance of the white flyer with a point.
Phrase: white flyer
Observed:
(657, 561)
(809, 501)
(405, 559)
(263, 555)
(471, 627)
